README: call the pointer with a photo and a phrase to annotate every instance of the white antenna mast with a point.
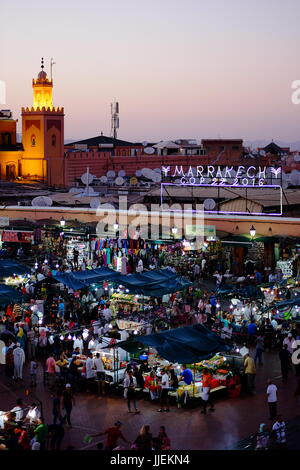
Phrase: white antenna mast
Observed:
(51, 65)
(115, 123)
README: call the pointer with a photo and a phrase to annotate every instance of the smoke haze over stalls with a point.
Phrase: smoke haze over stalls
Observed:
(194, 69)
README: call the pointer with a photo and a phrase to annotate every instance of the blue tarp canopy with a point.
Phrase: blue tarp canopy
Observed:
(189, 344)
(10, 267)
(82, 279)
(160, 289)
(152, 283)
(9, 295)
(96, 275)
(70, 281)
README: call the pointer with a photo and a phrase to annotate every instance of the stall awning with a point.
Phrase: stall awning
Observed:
(9, 295)
(10, 267)
(189, 344)
(82, 279)
(154, 283)
(70, 281)
(96, 275)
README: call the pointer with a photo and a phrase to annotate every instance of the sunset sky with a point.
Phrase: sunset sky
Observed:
(179, 68)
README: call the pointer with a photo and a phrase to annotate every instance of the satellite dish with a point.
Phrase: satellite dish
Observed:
(95, 203)
(111, 174)
(119, 181)
(149, 150)
(209, 204)
(88, 192)
(156, 178)
(138, 173)
(148, 173)
(144, 171)
(87, 178)
(297, 157)
(262, 153)
(122, 173)
(75, 190)
(103, 179)
(42, 201)
(285, 184)
(295, 178)
(145, 143)
(254, 152)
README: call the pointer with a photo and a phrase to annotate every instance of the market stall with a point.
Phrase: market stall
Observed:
(128, 303)
(194, 345)
(225, 376)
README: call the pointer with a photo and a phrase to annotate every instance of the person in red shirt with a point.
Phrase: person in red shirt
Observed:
(24, 441)
(206, 387)
(113, 435)
(9, 311)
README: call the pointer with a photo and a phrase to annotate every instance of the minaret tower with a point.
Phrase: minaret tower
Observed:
(42, 90)
(43, 135)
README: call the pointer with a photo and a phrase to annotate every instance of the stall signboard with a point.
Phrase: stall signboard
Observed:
(16, 237)
(208, 231)
(286, 268)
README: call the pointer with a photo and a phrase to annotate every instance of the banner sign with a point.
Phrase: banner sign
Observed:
(17, 237)
(216, 175)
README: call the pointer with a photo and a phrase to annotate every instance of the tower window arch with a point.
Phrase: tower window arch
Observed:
(33, 141)
(53, 140)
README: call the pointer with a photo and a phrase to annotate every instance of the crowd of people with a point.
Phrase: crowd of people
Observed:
(50, 338)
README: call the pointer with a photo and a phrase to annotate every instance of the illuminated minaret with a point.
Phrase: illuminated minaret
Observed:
(43, 134)
(42, 90)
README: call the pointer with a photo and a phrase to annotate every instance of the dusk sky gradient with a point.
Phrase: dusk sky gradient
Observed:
(179, 68)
